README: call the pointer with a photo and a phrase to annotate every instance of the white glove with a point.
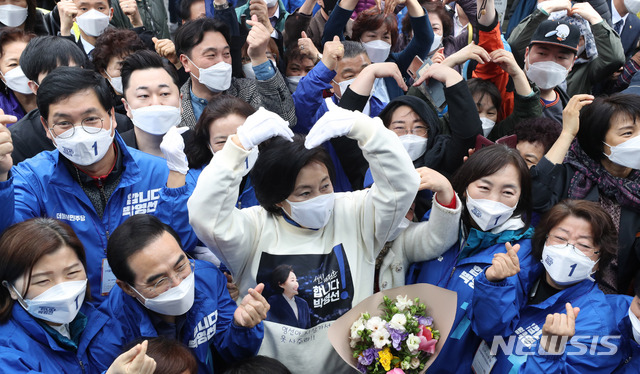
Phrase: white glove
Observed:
(334, 123)
(172, 148)
(260, 126)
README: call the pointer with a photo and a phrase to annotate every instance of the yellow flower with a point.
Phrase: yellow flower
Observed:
(385, 358)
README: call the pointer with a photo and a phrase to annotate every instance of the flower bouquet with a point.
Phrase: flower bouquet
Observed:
(393, 331)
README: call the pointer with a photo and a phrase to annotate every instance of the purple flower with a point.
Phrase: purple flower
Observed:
(367, 356)
(362, 368)
(425, 321)
(396, 338)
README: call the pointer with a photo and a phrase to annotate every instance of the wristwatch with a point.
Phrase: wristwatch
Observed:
(221, 6)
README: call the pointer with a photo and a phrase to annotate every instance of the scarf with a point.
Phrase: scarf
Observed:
(589, 174)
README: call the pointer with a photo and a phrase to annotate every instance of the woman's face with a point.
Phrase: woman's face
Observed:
(10, 59)
(621, 129)
(502, 186)
(223, 128)
(531, 152)
(290, 286)
(436, 23)
(575, 231)
(405, 121)
(312, 181)
(114, 66)
(381, 33)
(58, 267)
(486, 107)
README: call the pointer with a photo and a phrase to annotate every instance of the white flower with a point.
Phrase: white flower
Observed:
(380, 338)
(375, 323)
(398, 321)
(405, 365)
(403, 302)
(356, 327)
(413, 342)
(415, 363)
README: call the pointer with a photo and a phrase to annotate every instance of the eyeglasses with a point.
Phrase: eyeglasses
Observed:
(582, 248)
(418, 130)
(91, 125)
(181, 272)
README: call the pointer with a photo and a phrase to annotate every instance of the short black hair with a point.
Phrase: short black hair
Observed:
(596, 119)
(539, 129)
(485, 87)
(185, 9)
(129, 238)
(66, 81)
(279, 163)
(142, 60)
(191, 33)
(45, 53)
(258, 365)
(490, 160)
(280, 275)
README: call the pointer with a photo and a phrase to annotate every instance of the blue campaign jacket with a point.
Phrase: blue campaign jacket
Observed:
(209, 321)
(42, 186)
(501, 309)
(452, 273)
(26, 347)
(629, 353)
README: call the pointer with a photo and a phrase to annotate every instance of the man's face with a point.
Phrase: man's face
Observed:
(197, 10)
(150, 87)
(547, 52)
(349, 68)
(212, 49)
(83, 106)
(101, 6)
(158, 267)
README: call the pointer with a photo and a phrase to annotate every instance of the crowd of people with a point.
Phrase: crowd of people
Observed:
(205, 186)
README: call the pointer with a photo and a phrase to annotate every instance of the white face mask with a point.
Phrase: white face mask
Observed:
(83, 148)
(175, 301)
(487, 125)
(488, 214)
(13, 15)
(116, 83)
(292, 82)
(58, 304)
(401, 227)
(437, 43)
(378, 50)
(626, 153)
(216, 78)
(546, 74)
(635, 326)
(565, 265)
(247, 69)
(414, 144)
(156, 119)
(93, 23)
(633, 6)
(344, 85)
(271, 3)
(313, 213)
(17, 81)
